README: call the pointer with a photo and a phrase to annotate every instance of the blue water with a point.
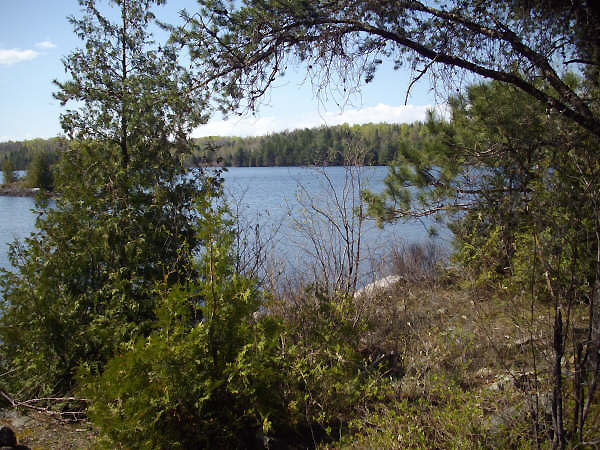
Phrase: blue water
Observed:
(294, 205)
(282, 204)
(17, 221)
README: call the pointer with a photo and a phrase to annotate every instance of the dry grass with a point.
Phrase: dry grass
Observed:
(470, 366)
(469, 356)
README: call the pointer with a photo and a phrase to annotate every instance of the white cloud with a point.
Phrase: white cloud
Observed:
(46, 45)
(15, 55)
(250, 126)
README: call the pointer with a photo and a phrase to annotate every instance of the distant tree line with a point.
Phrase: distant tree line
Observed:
(377, 143)
(36, 156)
(20, 154)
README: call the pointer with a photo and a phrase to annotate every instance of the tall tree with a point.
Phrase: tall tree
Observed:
(125, 216)
(522, 189)
(132, 92)
(244, 48)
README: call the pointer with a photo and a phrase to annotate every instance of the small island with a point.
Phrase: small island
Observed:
(38, 178)
(18, 190)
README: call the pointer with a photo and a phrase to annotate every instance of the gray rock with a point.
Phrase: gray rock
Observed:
(378, 286)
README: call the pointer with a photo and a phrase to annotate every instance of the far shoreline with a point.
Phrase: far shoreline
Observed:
(14, 190)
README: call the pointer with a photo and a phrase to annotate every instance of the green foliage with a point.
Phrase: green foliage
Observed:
(330, 381)
(212, 374)
(84, 283)
(320, 146)
(522, 185)
(534, 210)
(323, 145)
(21, 153)
(39, 172)
(448, 418)
(423, 173)
(132, 92)
(209, 376)
(8, 171)
(514, 182)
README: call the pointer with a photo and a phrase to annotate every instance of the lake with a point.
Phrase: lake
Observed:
(289, 207)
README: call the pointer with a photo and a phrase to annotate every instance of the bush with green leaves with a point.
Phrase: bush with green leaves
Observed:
(85, 281)
(208, 376)
(169, 391)
(522, 185)
(447, 417)
(330, 382)
(533, 193)
(218, 372)
(503, 167)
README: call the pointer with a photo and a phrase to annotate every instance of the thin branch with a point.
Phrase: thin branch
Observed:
(62, 416)
(417, 78)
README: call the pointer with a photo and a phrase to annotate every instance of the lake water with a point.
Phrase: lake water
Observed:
(17, 220)
(284, 204)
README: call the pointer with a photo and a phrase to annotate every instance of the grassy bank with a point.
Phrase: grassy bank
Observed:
(461, 368)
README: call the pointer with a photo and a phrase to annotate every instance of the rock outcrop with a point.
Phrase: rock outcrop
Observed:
(378, 286)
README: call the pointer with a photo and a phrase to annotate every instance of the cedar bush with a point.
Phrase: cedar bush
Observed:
(208, 376)
(185, 387)
(329, 380)
(84, 282)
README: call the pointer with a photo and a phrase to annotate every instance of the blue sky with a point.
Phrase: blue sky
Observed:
(35, 35)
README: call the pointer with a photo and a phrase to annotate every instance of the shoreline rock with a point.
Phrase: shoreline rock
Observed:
(21, 192)
(15, 190)
(379, 286)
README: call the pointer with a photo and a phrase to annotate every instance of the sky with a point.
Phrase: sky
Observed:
(35, 35)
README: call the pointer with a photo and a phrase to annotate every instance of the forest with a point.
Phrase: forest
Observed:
(144, 308)
(37, 158)
(21, 153)
(316, 146)
(305, 147)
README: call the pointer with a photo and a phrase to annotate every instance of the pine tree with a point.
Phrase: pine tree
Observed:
(8, 171)
(125, 217)
(39, 172)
